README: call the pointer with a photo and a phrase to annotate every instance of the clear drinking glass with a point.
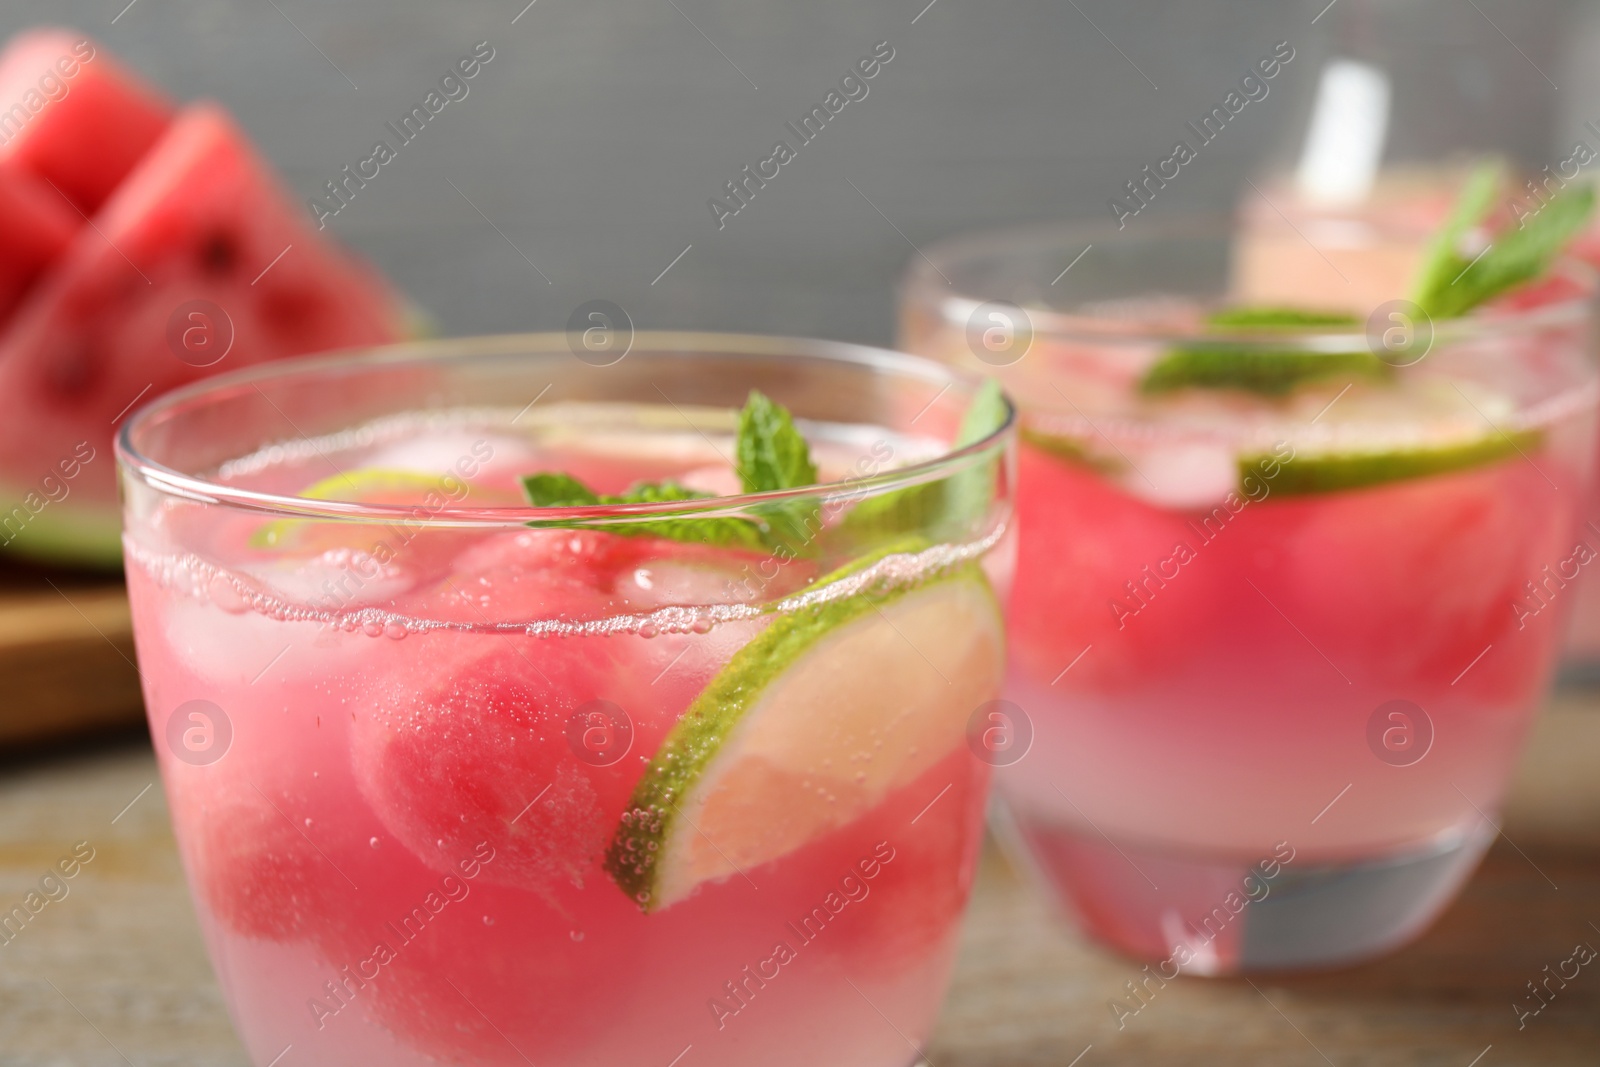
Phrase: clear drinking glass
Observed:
(456, 779)
(1277, 651)
(1371, 250)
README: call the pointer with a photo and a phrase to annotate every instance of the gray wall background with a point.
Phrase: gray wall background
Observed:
(600, 129)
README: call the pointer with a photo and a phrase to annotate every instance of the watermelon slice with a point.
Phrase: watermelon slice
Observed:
(35, 227)
(73, 117)
(199, 224)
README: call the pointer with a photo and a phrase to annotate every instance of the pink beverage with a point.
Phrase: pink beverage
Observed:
(1277, 646)
(625, 787)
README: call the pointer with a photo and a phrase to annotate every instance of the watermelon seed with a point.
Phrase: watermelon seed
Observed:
(218, 254)
(71, 374)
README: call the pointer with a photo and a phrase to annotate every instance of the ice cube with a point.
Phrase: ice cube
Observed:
(1183, 475)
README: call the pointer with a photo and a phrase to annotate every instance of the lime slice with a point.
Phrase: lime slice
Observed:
(376, 485)
(1328, 472)
(1376, 434)
(1279, 317)
(365, 485)
(1270, 372)
(810, 725)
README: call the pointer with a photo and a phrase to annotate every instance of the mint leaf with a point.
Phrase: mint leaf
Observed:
(952, 501)
(772, 456)
(984, 415)
(771, 453)
(553, 490)
(726, 530)
(1441, 260)
(1268, 371)
(557, 491)
(1515, 257)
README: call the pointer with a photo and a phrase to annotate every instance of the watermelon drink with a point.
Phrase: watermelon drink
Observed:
(1286, 599)
(505, 719)
(1290, 247)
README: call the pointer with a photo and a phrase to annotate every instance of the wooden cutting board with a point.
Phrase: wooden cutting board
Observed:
(66, 654)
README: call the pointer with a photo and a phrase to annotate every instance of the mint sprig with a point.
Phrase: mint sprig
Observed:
(1450, 283)
(551, 490)
(1441, 261)
(772, 456)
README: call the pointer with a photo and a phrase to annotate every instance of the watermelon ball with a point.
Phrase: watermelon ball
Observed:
(493, 723)
(532, 575)
(256, 873)
(522, 969)
(483, 756)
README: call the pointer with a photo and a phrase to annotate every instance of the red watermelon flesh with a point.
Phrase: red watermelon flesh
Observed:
(255, 870)
(71, 115)
(35, 227)
(200, 219)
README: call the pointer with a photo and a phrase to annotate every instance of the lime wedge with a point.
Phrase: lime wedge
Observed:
(810, 725)
(366, 485)
(1328, 472)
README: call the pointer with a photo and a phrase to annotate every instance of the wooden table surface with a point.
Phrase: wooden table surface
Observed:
(115, 972)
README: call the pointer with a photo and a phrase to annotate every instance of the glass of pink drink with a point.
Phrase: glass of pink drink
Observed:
(459, 779)
(1287, 245)
(1277, 645)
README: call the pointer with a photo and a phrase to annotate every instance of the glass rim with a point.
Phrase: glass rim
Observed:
(445, 351)
(956, 305)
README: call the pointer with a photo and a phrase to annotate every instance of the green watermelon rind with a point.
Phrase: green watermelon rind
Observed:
(65, 533)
